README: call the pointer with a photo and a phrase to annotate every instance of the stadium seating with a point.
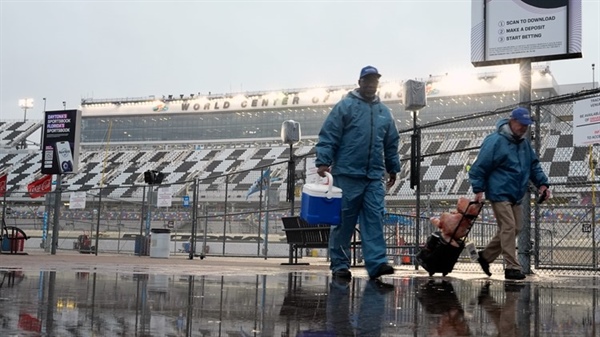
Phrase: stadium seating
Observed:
(12, 133)
(120, 169)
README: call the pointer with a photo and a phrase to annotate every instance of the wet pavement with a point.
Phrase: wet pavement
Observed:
(108, 295)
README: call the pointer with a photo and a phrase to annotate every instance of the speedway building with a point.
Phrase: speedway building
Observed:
(205, 136)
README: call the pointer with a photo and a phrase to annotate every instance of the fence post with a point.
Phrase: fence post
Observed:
(291, 184)
(524, 239)
(194, 221)
(225, 212)
(143, 212)
(291, 187)
(98, 221)
(415, 177)
(536, 230)
(56, 214)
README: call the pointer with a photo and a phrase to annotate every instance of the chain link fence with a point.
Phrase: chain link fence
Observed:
(239, 212)
(231, 214)
(563, 230)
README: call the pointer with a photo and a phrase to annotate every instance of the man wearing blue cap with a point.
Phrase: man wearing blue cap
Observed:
(505, 165)
(358, 143)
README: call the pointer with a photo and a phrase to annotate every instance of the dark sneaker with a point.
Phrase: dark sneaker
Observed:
(513, 274)
(384, 269)
(343, 274)
(485, 266)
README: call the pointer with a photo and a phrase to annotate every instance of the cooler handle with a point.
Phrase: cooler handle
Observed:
(330, 184)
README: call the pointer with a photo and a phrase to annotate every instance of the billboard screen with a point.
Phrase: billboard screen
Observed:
(508, 31)
(62, 134)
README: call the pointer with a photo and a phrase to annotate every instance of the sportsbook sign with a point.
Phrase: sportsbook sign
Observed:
(507, 31)
(62, 130)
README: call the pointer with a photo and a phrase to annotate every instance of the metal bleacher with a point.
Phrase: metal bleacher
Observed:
(12, 133)
(442, 169)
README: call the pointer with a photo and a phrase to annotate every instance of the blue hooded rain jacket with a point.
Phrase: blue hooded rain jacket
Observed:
(359, 139)
(505, 165)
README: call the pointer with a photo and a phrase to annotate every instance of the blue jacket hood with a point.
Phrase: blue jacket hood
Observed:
(357, 94)
(503, 128)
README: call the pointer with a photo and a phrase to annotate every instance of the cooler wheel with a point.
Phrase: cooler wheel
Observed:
(444, 274)
(431, 274)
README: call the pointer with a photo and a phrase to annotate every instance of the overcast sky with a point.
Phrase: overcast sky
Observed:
(69, 50)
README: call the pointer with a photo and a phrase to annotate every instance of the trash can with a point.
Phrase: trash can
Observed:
(6, 243)
(140, 247)
(160, 241)
(13, 242)
(19, 243)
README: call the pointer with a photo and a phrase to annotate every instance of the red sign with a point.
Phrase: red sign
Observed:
(40, 187)
(3, 179)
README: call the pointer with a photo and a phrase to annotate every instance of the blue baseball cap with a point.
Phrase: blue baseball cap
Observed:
(522, 116)
(369, 70)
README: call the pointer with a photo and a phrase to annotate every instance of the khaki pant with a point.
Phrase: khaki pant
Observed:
(510, 222)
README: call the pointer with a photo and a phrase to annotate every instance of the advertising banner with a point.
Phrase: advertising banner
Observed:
(507, 31)
(3, 179)
(77, 200)
(38, 188)
(586, 121)
(62, 134)
(164, 197)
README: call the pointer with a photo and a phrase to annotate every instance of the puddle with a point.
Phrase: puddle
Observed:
(75, 303)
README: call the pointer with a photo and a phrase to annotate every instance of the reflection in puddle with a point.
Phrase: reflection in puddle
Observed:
(294, 304)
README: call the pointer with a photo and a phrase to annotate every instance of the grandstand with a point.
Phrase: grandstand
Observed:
(224, 141)
(206, 136)
(14, 133)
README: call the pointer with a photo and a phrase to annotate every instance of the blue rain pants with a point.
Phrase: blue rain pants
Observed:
(362, 201)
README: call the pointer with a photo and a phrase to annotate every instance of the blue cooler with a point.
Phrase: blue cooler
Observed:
(321, 204)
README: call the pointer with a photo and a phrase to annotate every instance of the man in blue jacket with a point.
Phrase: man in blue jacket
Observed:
(503, 169)
(358, 144)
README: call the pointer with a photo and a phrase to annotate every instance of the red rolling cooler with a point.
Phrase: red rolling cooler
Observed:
(439, 255)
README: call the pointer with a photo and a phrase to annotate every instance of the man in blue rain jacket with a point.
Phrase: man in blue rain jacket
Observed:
(358, 144)
(505, 165)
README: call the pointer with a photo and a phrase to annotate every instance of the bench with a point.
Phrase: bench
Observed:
(300, 234)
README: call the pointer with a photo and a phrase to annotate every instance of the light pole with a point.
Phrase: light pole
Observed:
(25, 103)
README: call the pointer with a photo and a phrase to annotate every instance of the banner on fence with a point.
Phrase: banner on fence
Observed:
(77, 200)
(164, 197)
(586, 121)
(38, 188)
(3, 179)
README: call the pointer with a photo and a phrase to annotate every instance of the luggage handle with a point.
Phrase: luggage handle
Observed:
(471, 218)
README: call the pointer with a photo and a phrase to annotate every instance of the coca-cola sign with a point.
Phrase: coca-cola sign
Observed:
(40, 187)
(3, 179)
